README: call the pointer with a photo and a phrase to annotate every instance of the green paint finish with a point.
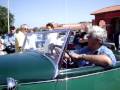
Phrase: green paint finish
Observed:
(32, 67)
(26, 67)
(48, 85)
(103, 81)
(38, 86)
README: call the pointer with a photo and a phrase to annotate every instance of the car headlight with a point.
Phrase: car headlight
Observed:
(11, 84)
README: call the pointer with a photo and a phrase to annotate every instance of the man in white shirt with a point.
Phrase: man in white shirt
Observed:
(20, 36)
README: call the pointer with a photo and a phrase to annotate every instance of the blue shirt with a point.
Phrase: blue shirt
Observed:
(103, 50)
(9, 39)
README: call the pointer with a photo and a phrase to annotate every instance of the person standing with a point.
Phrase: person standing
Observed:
(52, 38)
(30, 40)
(50, 26)
(9, 40)
(20, 37)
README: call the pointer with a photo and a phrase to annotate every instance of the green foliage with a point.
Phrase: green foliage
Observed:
(4, 19)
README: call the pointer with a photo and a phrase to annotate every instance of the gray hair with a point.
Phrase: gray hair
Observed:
(98, 33)
(24, 26)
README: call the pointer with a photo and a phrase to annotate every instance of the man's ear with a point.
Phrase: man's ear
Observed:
(98, 40)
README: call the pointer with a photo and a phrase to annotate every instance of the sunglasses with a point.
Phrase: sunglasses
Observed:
(25, 28)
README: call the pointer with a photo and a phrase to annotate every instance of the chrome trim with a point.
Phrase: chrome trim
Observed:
(11, 84)
(87, 74)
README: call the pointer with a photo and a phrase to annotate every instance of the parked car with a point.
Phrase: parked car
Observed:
(40, 68)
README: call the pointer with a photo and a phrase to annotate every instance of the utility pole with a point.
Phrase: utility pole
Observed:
(8, 16)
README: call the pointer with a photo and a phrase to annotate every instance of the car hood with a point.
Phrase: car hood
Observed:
(26, 66)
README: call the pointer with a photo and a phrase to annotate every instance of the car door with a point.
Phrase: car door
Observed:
(89, 78)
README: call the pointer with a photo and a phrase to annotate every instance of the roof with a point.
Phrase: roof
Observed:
(73, 26)
(107, 9)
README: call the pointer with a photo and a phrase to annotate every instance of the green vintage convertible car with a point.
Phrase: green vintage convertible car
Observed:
(39, 66)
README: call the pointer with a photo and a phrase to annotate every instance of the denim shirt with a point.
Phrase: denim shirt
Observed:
(10, 39)
(103, 50)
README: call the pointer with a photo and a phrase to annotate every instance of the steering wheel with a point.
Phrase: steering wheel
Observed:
(65, 63)
(54, 50)
(69, 63)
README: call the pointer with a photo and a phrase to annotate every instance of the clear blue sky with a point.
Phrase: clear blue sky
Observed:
(40, 12)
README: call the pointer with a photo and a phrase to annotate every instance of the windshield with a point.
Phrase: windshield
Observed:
(48, 43)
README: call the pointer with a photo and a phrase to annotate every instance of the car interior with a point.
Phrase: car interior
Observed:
(71, 68)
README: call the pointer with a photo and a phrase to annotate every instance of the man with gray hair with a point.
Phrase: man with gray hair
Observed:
(20, 37)
(95, 53)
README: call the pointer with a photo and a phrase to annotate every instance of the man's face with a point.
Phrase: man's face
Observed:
(49, 28)
(92, 41)
(13, 31)
(25, 29)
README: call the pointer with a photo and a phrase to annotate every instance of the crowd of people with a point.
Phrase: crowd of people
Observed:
(13, 41)
(89, 45)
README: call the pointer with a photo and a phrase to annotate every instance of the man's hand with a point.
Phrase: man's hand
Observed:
(66, 56)
(75, 55)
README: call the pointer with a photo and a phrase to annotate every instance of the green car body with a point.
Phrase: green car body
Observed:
(32, 70)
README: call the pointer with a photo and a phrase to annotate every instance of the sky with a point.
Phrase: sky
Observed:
(37, 13)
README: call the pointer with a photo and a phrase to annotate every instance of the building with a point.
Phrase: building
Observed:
(73, 26)
(108, 18)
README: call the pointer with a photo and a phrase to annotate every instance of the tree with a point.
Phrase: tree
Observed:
(4, 19)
